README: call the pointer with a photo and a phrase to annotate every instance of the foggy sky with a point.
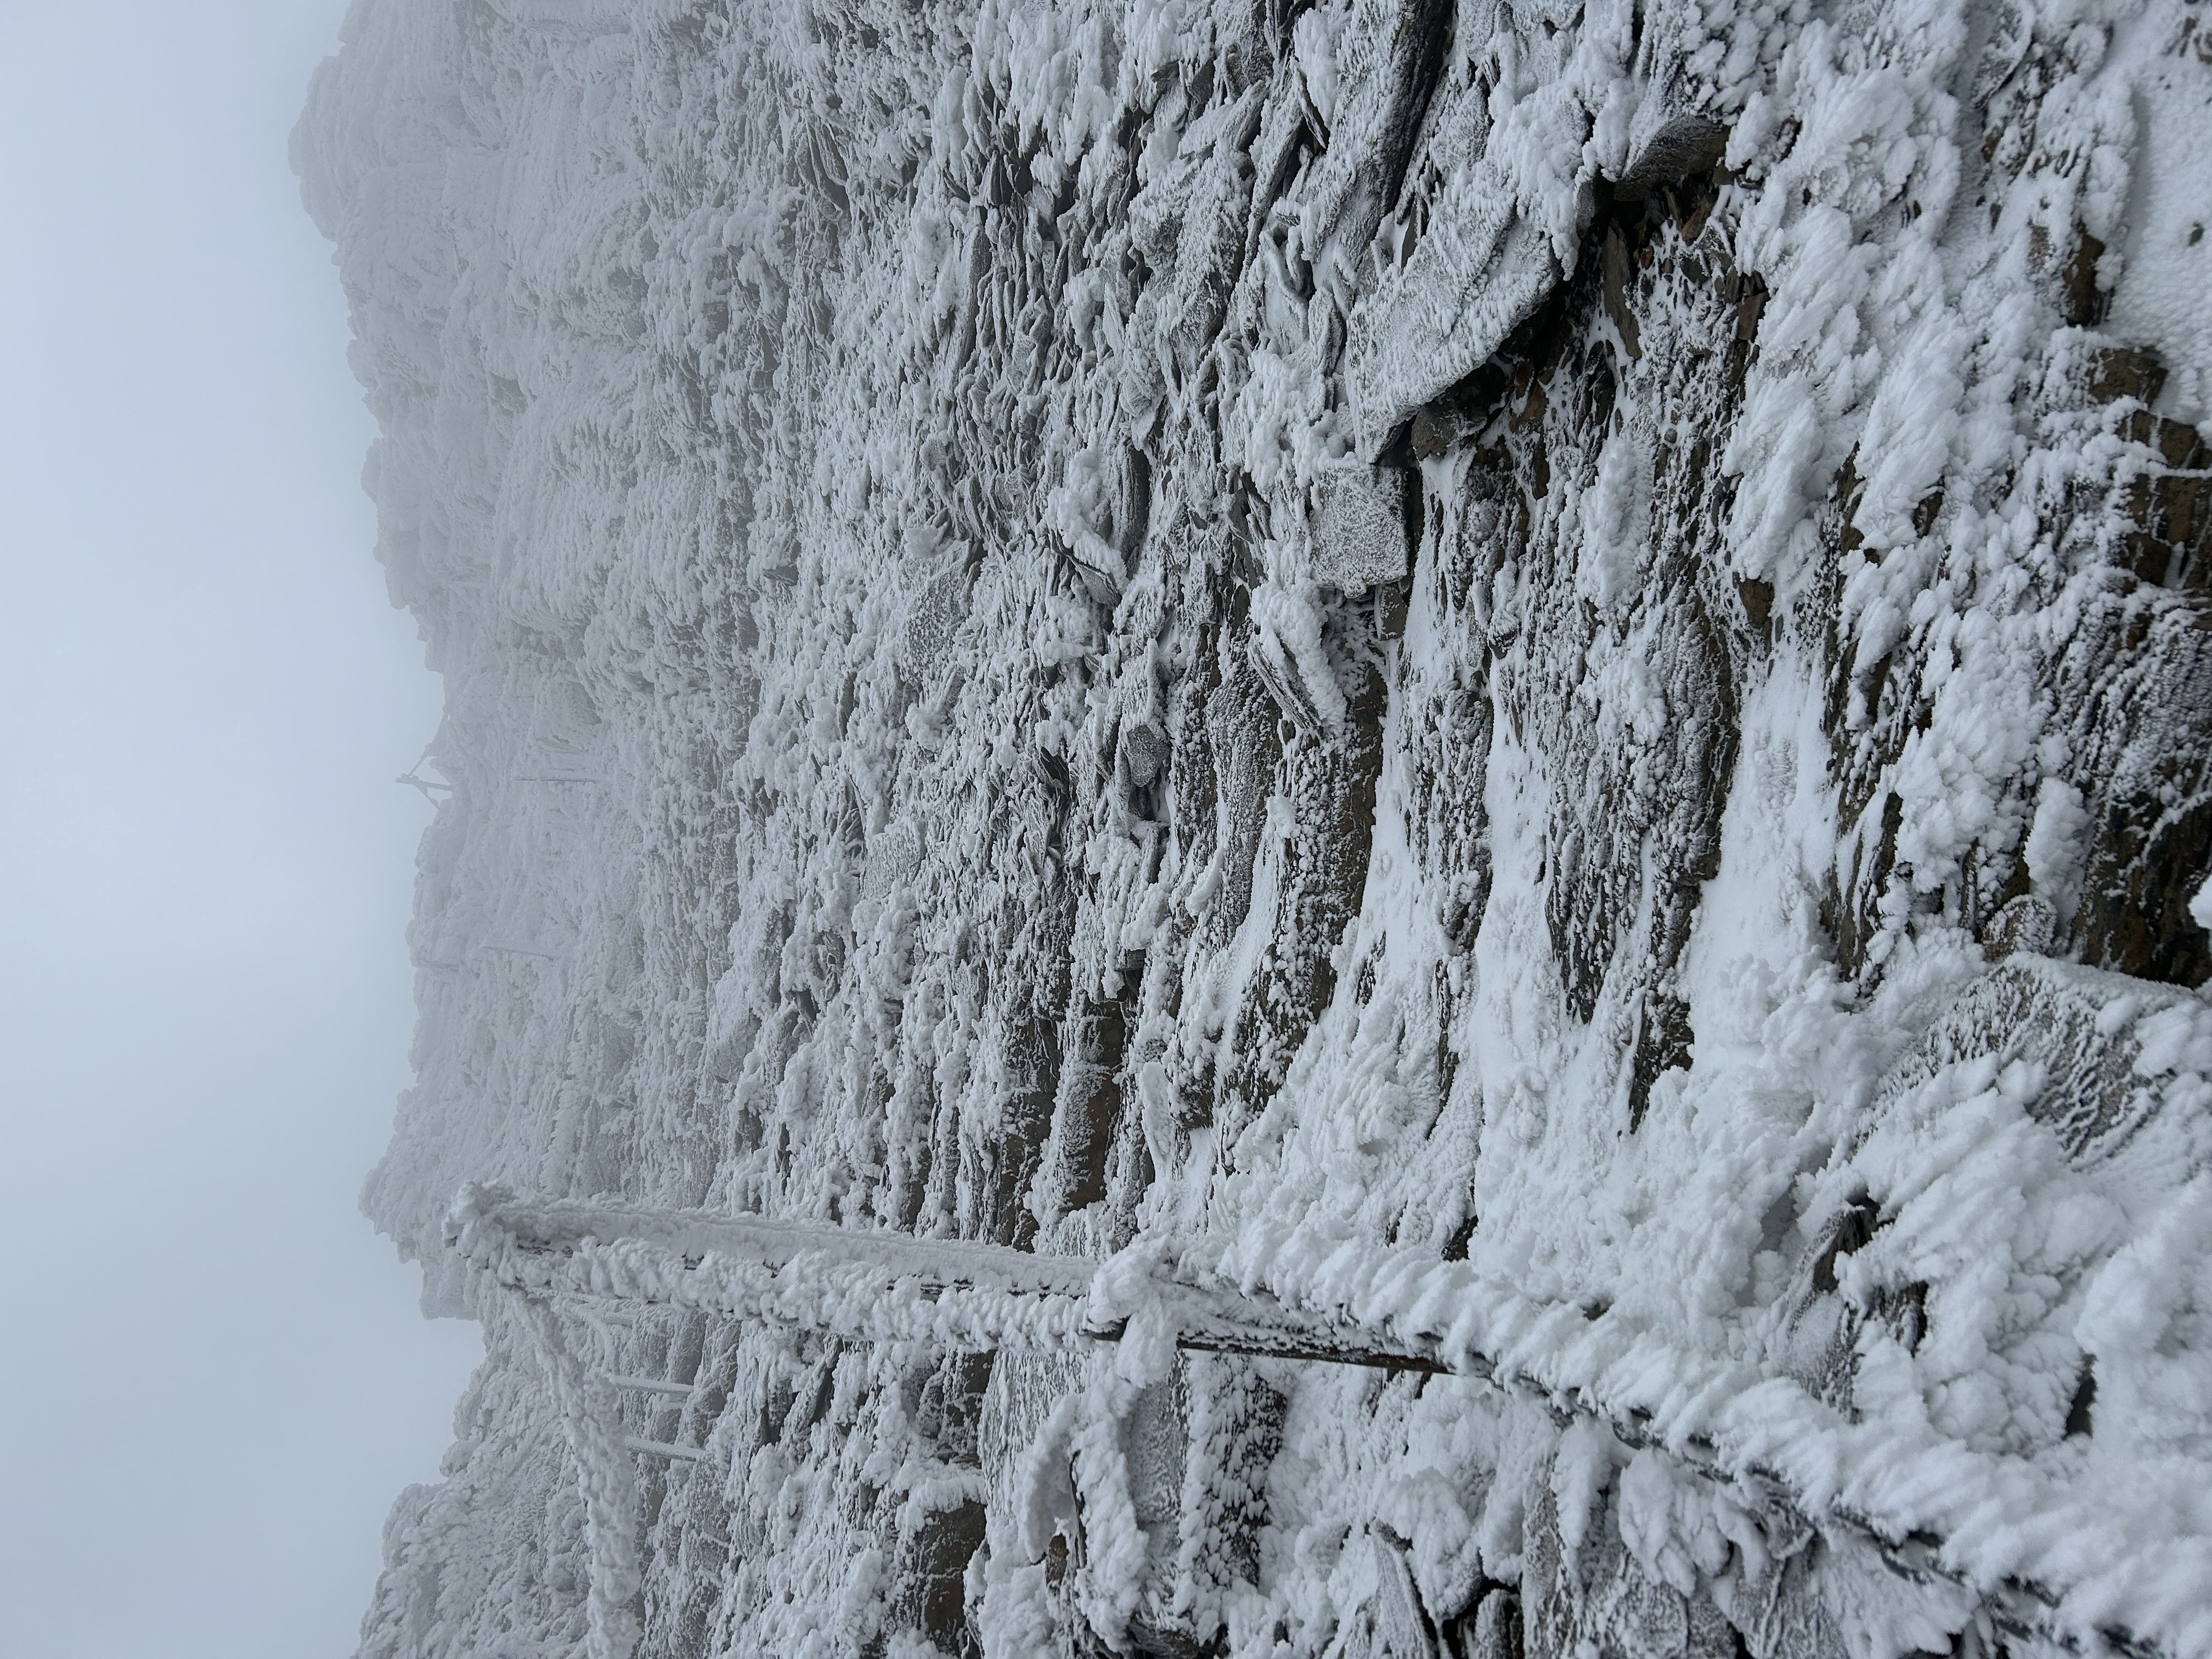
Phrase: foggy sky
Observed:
(216, 1380)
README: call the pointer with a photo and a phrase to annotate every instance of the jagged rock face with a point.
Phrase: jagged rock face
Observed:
(1573, 638)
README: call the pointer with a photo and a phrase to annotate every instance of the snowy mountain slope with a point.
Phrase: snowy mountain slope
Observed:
(1534, 672)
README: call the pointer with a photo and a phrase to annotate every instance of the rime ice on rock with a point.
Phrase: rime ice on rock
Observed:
(1526, 676)
(1359, 531)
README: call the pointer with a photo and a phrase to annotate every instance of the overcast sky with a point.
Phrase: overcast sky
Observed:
(215, 1377)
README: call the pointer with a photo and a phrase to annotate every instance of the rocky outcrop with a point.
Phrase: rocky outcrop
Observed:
(1361, 635)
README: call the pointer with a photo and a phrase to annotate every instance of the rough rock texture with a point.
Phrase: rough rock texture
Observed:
(1564, 648)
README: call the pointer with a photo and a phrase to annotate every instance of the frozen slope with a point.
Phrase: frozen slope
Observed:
(1535, 673)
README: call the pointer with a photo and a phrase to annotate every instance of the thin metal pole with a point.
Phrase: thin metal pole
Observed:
(662, 1448)
(647, 1384)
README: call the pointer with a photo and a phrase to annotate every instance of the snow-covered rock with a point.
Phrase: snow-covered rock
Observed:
(1539, 675)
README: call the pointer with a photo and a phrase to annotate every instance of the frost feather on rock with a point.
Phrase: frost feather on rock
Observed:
(1530, 675)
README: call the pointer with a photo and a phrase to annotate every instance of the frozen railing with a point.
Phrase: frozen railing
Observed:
(881, 1286)
(565, 1261)
(885, 1287)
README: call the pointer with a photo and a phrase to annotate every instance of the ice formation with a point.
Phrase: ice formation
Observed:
(1530, 681)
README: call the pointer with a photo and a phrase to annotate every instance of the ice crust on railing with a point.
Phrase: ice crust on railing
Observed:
(887, 1287)
(2061, 1551)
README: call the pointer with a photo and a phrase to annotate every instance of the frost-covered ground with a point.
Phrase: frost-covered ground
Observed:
(1539, 676)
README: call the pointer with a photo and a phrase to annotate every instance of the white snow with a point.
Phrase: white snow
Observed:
(948, 747)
